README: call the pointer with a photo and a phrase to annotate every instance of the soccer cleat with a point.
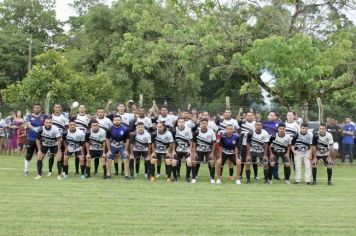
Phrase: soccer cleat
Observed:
(136, 175)
(158, 175)
(152, 179)
(116, 173)
(175, 180)
(127, 178)
(270, 182)
(95, 173)
(146, 176)
(297, 183)
(330, 183)
(59, 177)
(168, 180)
(38, 177)
(187, 179)
(257, 178)
(307, 183)
(212, 181)
(49, 174)
(218, 181)
(122, 173)
(25, 173)
(315, 183)
(287, 181)
(193, 181)
(231, 178)
(238, 182)
(276, 178)
(248, 181)
(108, 177)
(82, 177)
(266, 182)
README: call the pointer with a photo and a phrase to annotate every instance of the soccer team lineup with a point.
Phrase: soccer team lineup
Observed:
(181, 143)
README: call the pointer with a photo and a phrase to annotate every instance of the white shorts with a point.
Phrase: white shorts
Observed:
(336, 146)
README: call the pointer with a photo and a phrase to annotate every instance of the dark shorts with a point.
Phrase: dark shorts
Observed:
(161, 156)
(256, 157)
(96, 153)
(277, 156)
(76, 154)
(202, 157)
(139, 154)
(231, 157)
(51, 150)
(180, 155)
(325, 160)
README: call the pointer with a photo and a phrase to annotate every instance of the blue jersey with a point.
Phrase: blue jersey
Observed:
(118, 135)
(271, 126)
(37, 122)
(348, 139)
(229, 144)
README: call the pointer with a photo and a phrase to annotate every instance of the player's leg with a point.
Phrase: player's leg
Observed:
(298, 167)
(40, 162)
(54, 150)
(315, 170)
(248, 170)
(265, 168)
(65, 164)
(199, 157)
(287, 169)
(31, 148)
(231, 170)
(243, 159)
(168, 163)
(82, 162)
(307, 169)
(88, 163)
(271, 168)
(159, 163)
(50, 163)
(238, 170)
(329, 170)
(219, 166)
(211, 164)
(189, 164)
(137, 156)
(116, 165)
(175, 162)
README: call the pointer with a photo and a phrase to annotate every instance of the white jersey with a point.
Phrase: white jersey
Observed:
(322, 144)
(141, 142)
(212, 125)
(168, 120)
(223, 124)
(246, 127)
(126, 118)
(190, 124)
(82, 122)
(49, 137)
(204, 140)
(96, 140)
(257, 141)
(292, 128)
(302, 142)
(182, 139)
(2, 127)
(75, 140)
(162, 141)
(147, 122)
(104, 123)
(60, 122)
(279, 145)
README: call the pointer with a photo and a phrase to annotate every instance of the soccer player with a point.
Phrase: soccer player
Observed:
(229, 151)
(247, 126)
(61, 122)
(104, 123)
(292, 128)
(141, 142)
(162, 146)
(48, 140)
(348, 140)
(119, 145)
(34, 123)
(280, 148)
(322, 147)
(95, 139)
(82, 123)
(142, 118)
(257, 150)
(301, 145)
(73, 140)
(335, 131)
(211, 124)
(183, 139)
(203, 148)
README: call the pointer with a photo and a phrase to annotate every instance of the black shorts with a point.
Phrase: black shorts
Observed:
(51, 150)
(231, 157)
(325, 159)
(96, 153)
(180, 155)
(202, 157)
(243, 153)
(160, 156)
(256, 157)
(76, 154)
(277, 156)
(139, 154)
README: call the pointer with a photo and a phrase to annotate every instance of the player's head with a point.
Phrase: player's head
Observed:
(258, 115)
(142, 112)
(229, 129)
(37, 108)
(227, 114)
(161, 127)
(205, 115)
(322, 129)
(94, 125)
(181, 123)
(290, 116)
(304, 128)
(258, 126)
(57, 108)
(164, 110)
(332, 121)
(121, 108)
(281, 129)
(272, 116)
(140, 127)
(348, 120)
(71, 125)
(117, 120)
(185, 114)
(81, 109)
(204, 124)
(100, 113)
(48, 122)
(249, 116)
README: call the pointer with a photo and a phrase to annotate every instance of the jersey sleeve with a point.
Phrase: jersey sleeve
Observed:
(315, 140)
(294, 139)
(87, 137)
(153, 136)
(171, 140)
(58, 134)
(196, 133)
(132, 138)
(28, 120)
(213, 137)
(39, 134)
(108, 134)
(249, 138)
(272, 138)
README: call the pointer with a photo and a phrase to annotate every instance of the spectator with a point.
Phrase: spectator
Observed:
(2, 134)
(348, 140)
(11, 138)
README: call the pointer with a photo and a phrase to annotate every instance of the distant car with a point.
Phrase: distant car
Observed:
(313, 127)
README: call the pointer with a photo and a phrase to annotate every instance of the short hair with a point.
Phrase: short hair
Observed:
(282, 125)
(258, 121)
(230, 125)
(117, 116)
(164, 107)
(140, 123)
(204, 119)
(36, 104)
(304, 124)
(322, 124)
(94, 121)
(48, 118)
(100, 108)
(72, 119)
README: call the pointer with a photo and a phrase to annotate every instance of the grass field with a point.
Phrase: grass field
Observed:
(98, 207)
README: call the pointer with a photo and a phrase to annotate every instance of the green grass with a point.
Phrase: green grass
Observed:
(116, 207)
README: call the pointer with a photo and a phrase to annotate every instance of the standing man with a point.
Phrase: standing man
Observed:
(34, 123)
(322, 150)
(104, 123)
(247, 126)
(48, 139)
(292, 129)
(348, 140)
(335, 130)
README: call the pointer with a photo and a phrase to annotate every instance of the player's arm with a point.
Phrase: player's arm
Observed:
(132, 142)
(248, 146)
(270, 148)
(86, 145)
(38, 142)
(313, 147)
(108, 105)
(294, 140)
(59, 145)
(171, 150)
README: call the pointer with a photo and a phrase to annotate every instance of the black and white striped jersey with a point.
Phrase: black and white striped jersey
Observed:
(322, 143)
(104, 123)
(204, 140)
(49, 137)
(147, 122)
(279, 145)
(168, 120)
(257, 141)
(302, 142)
(82, 122)
(126, 118)
(74, 140)
(162, 141)
(223, 124)
(246, 127)
(182, 139)
(96, 139)
(140, 142)
(292, 128)
(190, 124)
(60, 122)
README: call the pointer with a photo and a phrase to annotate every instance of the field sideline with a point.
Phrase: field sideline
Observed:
(94, 206)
